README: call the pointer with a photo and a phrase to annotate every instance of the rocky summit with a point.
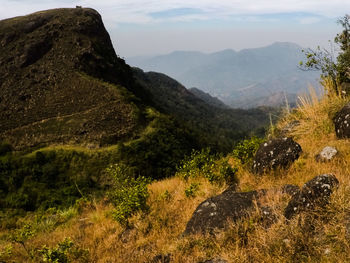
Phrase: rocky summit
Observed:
(60, 80)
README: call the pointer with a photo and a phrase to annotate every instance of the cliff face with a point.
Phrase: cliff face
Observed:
(61, 81)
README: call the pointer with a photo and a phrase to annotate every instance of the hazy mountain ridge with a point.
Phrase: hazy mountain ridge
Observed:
(236, 76)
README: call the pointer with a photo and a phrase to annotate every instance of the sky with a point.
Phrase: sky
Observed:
(152, 27)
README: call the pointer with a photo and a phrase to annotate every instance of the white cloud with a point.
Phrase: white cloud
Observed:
(137, 11)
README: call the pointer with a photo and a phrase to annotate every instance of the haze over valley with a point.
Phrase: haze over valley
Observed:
(244, 79)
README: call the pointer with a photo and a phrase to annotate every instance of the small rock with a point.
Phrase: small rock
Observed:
(315, 193)
(280, 152)
(326, 154)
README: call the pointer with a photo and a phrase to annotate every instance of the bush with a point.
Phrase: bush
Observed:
(204, 164)
(64, 252)
(246, 149)
(129, 193)
(199, 163)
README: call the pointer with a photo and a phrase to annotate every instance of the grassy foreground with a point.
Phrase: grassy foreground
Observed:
(87, 232)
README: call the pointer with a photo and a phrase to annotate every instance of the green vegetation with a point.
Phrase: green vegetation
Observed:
(51, 178)
(210, 166)
(64, 252)
(158, 151)
(246, 149)
(128, 194)
(58, 176)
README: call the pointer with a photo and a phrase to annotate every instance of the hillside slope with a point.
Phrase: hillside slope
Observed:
(319, 235)
(217, 126)
(61, 81)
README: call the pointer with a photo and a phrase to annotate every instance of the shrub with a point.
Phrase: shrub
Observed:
(245, 150)
(199, 163)
(22, 235)
(204, 164)
(192, 189)
(64, 252)
(129, 193)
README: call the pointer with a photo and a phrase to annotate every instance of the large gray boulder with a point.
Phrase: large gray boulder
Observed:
(315, 193)
(215, 212)
(342, 122)
(279, 152)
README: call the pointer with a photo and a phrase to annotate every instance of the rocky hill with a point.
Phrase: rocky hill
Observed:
(61, 81)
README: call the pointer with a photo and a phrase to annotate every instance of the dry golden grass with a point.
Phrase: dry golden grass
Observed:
(323, 237)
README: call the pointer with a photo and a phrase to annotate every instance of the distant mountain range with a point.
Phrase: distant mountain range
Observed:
(240, 79)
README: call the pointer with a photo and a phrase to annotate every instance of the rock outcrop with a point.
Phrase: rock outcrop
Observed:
(342, 122)
(315, 193)
(280, 152)
(215, 212)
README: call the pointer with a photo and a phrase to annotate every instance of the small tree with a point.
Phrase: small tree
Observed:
(343, 40)
(336, 69)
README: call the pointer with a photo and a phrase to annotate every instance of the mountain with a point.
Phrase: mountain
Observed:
(61, 81)
(236, 76)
